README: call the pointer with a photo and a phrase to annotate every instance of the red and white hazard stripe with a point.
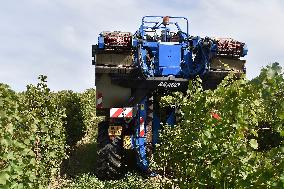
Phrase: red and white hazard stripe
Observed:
(142, 127)
(99, 100)
(121, 112)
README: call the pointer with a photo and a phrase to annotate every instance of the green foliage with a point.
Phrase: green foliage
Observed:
(15, 155)
(74, 125)
(80, 121)
(32, 137)
(132, 181)
(271, 84)
(231, 137)
(88, 108)
(220, 142)
(81, 130)
(45, 120)
(37, 126)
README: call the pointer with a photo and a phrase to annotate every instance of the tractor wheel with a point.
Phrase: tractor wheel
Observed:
(109, 155)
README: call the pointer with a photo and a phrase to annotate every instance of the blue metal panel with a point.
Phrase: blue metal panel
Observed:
(245, 50)
(169, 59)
(134, 42)
(156, 128)
(141, 154)
(140, 142)
(150, 44)
(101, 42)
(171, 120)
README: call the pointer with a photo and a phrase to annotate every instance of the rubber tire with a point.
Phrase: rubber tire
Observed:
(109, 164)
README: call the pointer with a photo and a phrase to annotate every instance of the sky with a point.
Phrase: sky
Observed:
(54, 37)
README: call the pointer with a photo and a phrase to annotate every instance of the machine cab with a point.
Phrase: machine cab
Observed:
(164, 46)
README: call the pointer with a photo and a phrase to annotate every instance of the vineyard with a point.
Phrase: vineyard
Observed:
(230, 137)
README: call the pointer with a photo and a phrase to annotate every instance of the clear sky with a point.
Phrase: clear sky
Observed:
(54, 37)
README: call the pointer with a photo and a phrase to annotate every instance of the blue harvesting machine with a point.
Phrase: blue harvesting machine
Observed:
(133, 71)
